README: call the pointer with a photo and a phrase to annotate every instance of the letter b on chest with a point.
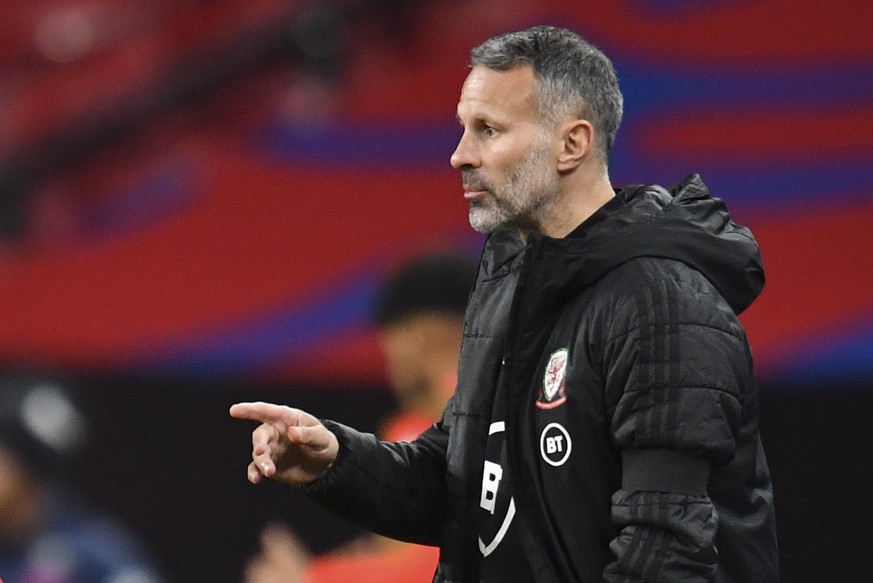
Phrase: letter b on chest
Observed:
(491, 475)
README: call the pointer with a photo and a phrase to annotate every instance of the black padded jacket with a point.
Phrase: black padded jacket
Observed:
(660, 475)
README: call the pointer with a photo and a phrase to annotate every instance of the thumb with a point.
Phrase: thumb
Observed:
(315, 437)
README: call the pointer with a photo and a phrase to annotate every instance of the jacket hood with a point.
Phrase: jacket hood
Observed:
(683, 223)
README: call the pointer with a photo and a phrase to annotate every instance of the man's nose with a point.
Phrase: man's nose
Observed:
(464, 154)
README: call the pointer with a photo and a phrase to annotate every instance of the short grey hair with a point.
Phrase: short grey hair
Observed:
(575, 78)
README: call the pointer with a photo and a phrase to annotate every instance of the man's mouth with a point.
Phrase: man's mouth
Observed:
(474, 190)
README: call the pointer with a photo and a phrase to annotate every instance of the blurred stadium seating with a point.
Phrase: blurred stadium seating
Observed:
(210, 188)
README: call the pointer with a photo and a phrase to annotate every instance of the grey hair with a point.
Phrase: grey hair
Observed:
(575, 78)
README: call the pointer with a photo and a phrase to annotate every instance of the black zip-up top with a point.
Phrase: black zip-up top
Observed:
(632, 415)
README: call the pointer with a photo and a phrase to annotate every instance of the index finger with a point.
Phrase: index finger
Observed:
(259, 411)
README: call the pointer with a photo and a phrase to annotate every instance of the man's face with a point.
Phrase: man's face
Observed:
(504, 155)
(404, 347)
(418, 350)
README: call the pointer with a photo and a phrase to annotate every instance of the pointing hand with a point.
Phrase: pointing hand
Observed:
(289, 445)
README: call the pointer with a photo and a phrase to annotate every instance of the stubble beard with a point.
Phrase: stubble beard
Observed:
(523, 201)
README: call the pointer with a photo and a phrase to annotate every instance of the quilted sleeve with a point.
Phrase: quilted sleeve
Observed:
(392, 488)
(676, 366)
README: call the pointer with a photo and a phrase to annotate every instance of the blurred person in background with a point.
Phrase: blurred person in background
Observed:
(419, 316)
(605, 424)
(47, 534)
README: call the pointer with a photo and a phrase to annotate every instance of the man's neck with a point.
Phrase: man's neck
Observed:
(579, 199)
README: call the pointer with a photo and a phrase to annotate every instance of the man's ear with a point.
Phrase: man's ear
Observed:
(577, 142)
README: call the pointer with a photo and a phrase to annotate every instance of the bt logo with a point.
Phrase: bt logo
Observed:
(555, 444)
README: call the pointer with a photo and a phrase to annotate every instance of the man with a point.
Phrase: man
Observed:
(47, 534)
(419, 317)
(605, 422)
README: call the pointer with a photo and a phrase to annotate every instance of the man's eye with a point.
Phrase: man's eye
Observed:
(489, 131)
